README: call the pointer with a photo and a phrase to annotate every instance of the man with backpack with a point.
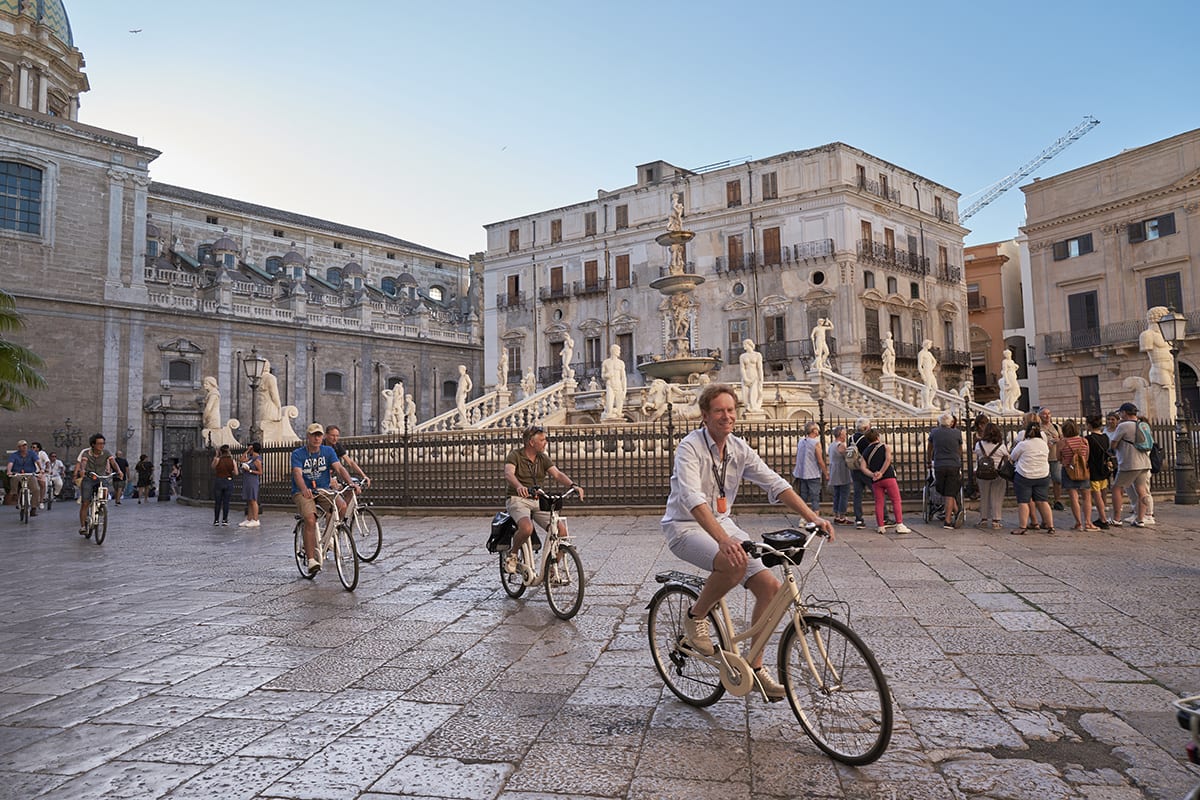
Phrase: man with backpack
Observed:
(1132, 442)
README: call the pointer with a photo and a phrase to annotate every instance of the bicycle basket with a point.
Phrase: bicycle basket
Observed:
(550, 502)
(781, 540)
(503, 528)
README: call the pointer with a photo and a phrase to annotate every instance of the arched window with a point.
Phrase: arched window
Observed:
(893, 286)
(179, 371)
(230, 260)
(868, 280)
(436, 293)
(914, 290)
(450, 389)
(334, 276)
(152, 248)
(388, 285)
(274, 265)
(20, 197)
(333, 382)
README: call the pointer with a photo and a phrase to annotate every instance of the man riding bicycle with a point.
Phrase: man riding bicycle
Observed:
(710, 464)
(525, 468)
(95, 460)
(332, 436)
(312, 465)
(25, 462)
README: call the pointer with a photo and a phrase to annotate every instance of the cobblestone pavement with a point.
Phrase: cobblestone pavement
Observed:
(188, 661)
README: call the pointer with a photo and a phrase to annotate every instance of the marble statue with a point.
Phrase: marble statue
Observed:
(675, 219)
(1010, 388)
(593, 385)
(1139, 390)
(654, 404)
(678, 264)
(272, 417)
(461, 395)
(888, 355)
(1160, 397)
(502, 369)
(820, 343)
(568, 352)
(751, 362)
(927, 369)
(612, 369)
(529, 384)
(386, 425)
(214, 433)
(410, 412)
(680, 317)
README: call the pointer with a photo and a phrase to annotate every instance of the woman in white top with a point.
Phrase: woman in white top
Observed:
(1031, 457)
(991, 490)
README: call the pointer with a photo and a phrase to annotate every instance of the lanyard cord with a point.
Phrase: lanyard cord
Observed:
(719, 475)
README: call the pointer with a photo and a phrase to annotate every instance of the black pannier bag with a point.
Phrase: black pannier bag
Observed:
(503, 528)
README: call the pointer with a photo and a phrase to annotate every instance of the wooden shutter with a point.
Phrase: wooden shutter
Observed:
(1137, 232)
(555, 231)
(733, 193)
(736, 252)
(591, 273)
(514, 240)
(622, 217)
(1166, 224)
(1085, 244)
(771, 246)
(622, 271)
(556, 281)
(589, 223)
(1060, 251)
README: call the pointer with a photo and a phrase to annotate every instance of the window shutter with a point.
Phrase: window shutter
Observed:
(1085, 244)
(1060, 251)
(1137, 232)
(1166, 224)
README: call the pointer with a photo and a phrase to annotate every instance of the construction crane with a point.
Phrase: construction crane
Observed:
(997, 189)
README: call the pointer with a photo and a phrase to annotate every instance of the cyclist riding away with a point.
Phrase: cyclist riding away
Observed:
(710, 464)
(525, 468)
(25, 462)
(312, 465)
(95, 460)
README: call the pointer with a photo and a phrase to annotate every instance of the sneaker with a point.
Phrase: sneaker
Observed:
(1130, 519)
(510, 563)
(1138, 523)
(858, 523)
(83, 530)
(314, 565)
(772, 688)
(902, 528)
(1146, 520)
(216, 523)
(1116, 523)
(244, 523)
(224, 523)
(881, 529)
(33, 513)
(1058, 506)
(253, 523)
(695, 633)
(1100, 523)
(949, 526)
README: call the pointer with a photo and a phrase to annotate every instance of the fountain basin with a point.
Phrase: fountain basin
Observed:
(674, 237)
(675, 284)
(676, 370)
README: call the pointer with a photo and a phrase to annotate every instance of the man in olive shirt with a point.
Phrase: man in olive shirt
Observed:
(525, 468)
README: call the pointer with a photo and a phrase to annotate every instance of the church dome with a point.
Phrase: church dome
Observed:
(51, 13)
(291, 258)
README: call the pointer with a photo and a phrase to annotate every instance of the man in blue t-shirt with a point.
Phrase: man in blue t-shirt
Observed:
(312, 465)
(23, 462)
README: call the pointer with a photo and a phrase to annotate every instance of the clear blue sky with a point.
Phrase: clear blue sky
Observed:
(427, 120)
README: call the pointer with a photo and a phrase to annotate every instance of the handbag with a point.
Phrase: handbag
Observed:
(1007, 469)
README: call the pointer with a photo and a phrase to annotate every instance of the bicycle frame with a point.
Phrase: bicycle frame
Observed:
(325, 537)
(552, 542)
(99, 497)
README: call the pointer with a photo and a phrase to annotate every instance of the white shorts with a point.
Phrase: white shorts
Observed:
(690, 542)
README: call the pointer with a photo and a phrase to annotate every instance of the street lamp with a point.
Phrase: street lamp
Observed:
(253, 364)
(1173, 327)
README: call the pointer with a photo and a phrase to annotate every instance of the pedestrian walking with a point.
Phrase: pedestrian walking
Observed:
(224, 468)
(119, 484)
(145, 477)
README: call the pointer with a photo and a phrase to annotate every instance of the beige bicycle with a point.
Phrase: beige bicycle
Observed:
(834, 685)
(336, 539)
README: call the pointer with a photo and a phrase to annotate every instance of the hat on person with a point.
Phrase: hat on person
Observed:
(1128, 408)
(22, 443)
(315, 428)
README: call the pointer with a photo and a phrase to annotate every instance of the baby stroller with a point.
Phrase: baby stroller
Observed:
(933, 505)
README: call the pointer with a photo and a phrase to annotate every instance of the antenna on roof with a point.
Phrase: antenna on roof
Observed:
(721, 164)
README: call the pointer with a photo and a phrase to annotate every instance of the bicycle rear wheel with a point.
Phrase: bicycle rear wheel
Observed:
(692, 679)
(564, 582)
(298, 551)
(513, 582)
(842, 700)
(101, 524)
(345, 557)
(23, 502)
(48, 498)
(368, 534)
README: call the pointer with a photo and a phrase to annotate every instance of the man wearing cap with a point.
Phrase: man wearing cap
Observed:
(312, 465)
(1133, 467)
(24, 462)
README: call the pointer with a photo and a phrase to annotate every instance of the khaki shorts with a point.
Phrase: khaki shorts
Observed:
(520, 508)
(1137, 478)
(308, 505)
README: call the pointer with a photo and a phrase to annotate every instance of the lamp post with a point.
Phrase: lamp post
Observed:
(1172, 326)
(253, 365)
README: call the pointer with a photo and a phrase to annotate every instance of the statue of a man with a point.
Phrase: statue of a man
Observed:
(568, 352)
(502, 369)
(752, 375)
(927, 369)
(1010, 388)
(675, 220)
(680, 316)
(888, 355)
(270, 409)
(386, 425)
(820, 343)
(462, 393)
(410, 412)
(1161, 395)
(654, 405)
(613, 371)
(529, 383)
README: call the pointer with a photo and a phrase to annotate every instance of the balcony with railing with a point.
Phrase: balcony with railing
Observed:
(949, 273)
(584, 288)
(976, 302)
(553, 294)
(879, 190)
(1113, 335)
(900, 260)
(786, 256)
(945, 215)
(512, 302)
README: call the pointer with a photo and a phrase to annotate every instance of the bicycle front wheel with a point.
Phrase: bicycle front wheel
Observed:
(101, 524)
(564, 582)
(48, 499)
(836, 689)
(345, 557)
(368, 534)
(298, 550)
(692, 679)
(23, 501)
(513, 582)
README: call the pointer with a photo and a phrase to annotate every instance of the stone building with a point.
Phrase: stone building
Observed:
(134, 291)
(831, 232)
(1107, 242)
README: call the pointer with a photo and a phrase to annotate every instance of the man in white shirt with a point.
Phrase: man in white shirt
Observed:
(1133, 467)
(55, 471)
(710, 464)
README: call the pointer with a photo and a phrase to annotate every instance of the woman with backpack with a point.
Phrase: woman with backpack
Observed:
(990, 450)
(1100, 468)
(1074, 453)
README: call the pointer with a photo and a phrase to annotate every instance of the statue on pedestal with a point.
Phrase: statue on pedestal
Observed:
(820, 343)
(529, 384)
(461, 394)
(613, 371)
(888, 355)
(751, 362)
(927, 369)
(502, 369)
(568, 352)
(1010, 388)
(1160, 398)
(214, 433)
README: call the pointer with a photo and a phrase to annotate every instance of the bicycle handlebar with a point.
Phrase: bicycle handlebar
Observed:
(540, 492)
(99, 477)
(758, 549)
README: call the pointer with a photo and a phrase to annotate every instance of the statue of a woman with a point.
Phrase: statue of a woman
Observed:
(462, 393)
(1010, 388)
(568, 352)
(211, 418)
(889, 355)
(751, 362)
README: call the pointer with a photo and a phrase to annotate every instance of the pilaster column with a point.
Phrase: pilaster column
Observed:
(135, 362)
(137, 243)
(116, 205)
(23, 99)
(43, 102)
(111, 377)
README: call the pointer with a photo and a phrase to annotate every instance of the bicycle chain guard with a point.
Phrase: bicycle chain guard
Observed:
(736, 675)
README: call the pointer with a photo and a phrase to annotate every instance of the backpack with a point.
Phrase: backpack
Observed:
(1145, 439)
(853, 457)
(503, 528)
(1077, 470)
(985, 470)
(1156, 458)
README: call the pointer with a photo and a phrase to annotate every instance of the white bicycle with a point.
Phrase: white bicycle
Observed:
(560, 569)
(336, 539)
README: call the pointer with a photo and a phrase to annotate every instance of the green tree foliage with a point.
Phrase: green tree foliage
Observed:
(18, 364)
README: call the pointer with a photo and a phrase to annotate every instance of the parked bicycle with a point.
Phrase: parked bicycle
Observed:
(834, 685)
(24, 495)
(97, 518)
(560, 569)
(368, 533)
(1187, 712)
(336, 539)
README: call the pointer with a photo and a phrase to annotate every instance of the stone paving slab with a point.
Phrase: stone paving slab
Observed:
(185, 661)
